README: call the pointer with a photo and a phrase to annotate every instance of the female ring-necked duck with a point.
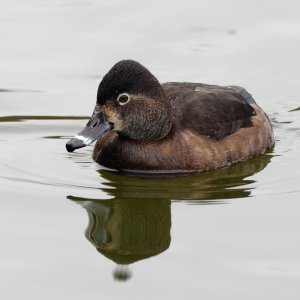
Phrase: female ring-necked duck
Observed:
(142, 125)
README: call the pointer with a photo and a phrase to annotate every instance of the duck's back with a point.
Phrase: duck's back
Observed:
(210, 110)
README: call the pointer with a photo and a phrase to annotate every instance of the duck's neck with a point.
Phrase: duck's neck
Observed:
(161, 122)
(152, 122)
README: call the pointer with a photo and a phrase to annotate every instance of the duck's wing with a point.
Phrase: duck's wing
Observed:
(210, 110)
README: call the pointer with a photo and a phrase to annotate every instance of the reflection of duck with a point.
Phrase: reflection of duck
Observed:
(136, 223)
(128, 230)
(171, 127)
(213, 185)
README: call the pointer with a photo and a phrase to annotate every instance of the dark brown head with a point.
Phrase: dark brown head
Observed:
(134, 102)
(131, 101)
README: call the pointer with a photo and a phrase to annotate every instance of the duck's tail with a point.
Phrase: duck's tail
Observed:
(243, 92)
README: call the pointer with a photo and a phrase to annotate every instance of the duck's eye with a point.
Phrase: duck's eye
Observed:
(123, 98)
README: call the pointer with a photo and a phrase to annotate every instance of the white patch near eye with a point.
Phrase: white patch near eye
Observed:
(123, 98)
(86, 140)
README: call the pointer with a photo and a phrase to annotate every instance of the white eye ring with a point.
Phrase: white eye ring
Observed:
(123, 98)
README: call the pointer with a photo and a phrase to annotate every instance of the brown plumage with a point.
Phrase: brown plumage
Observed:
(176, 127)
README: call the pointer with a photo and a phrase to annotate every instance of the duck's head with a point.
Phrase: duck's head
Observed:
(131, 101)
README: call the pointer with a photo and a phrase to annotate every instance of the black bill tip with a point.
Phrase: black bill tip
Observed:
(74, 144)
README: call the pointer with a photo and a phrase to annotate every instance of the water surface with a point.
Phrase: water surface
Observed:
(72, 230)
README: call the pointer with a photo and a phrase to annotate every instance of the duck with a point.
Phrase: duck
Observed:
(141, 125)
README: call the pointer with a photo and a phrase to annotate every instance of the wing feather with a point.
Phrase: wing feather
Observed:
(209, 110)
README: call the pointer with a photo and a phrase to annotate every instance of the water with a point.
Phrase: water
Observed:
(71, 230)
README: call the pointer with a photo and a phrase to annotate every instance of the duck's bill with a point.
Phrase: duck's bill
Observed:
(95, 127)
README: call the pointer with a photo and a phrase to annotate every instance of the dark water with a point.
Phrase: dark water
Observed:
(70, 229)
